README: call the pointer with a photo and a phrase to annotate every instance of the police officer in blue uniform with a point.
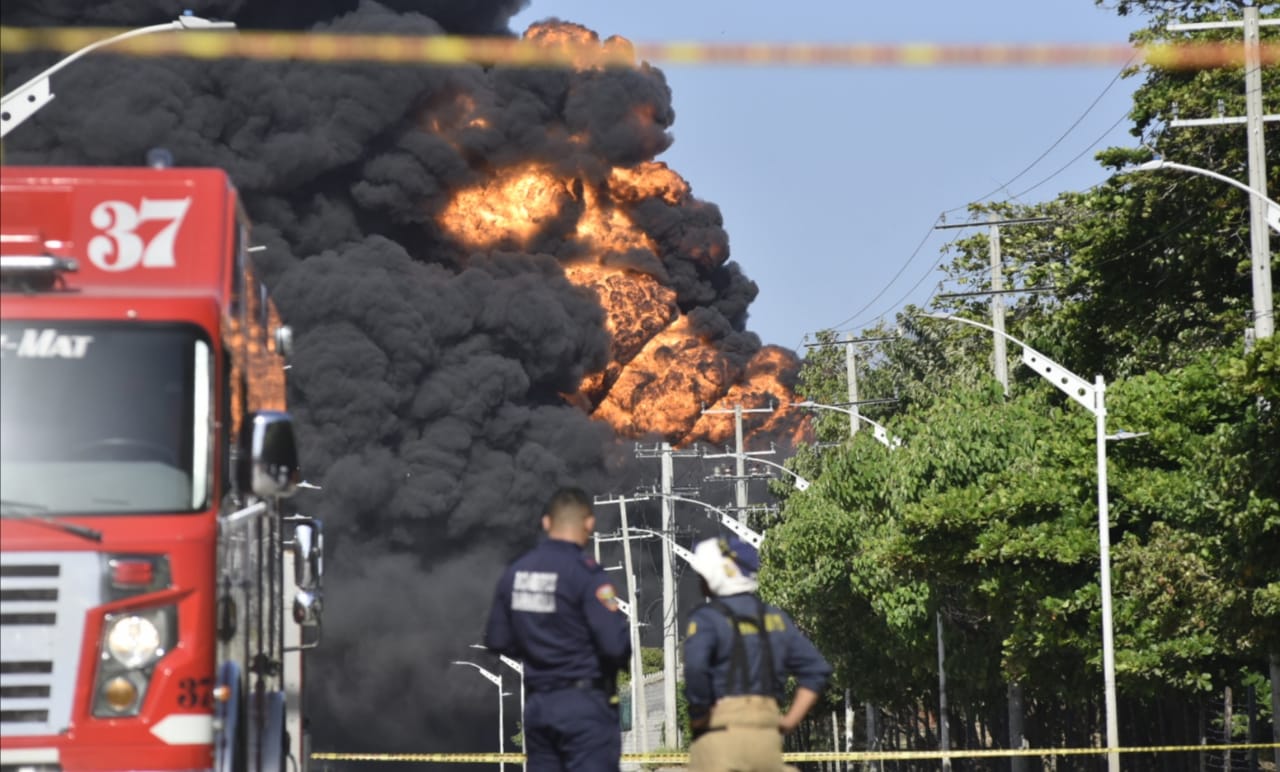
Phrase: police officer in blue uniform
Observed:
(738, 653)
(556, 610)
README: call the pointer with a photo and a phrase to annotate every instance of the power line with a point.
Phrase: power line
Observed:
(1078, 156)
(1058, 141)
(942, 253)
(1115, 79)
(886, 287)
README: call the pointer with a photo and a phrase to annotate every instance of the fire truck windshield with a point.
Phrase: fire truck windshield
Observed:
(105, 418)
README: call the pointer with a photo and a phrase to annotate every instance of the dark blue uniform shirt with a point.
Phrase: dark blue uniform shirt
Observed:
(557, 611)
(708, 648)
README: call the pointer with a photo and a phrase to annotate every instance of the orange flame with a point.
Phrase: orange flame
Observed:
(513, 206)
(762, 386)
(636, 306)
(579, 42)
(651, 179)
(663, 373)
(608, 230)
(662, 390)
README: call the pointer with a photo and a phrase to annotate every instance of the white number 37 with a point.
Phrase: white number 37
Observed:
(119, 248)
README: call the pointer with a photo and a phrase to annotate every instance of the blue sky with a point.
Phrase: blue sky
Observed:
(829, 179)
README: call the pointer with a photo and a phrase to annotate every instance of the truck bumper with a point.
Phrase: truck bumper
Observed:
(41, 754)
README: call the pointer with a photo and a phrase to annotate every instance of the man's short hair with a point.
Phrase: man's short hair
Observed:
(569, 504)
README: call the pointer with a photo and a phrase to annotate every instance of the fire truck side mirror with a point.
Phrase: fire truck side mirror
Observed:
(306, 608)
(268, 463)
(308, 555)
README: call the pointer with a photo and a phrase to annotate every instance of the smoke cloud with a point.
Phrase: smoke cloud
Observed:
(436, 385)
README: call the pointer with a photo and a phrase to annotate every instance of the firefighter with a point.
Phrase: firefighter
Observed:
(556, 610)
(738, 653)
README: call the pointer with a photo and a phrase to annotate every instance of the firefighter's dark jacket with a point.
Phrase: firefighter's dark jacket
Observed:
(708, 648)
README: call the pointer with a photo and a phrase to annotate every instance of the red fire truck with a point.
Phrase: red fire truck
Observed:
(156, 588)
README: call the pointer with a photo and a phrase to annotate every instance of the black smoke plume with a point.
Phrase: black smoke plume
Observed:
(427, 378)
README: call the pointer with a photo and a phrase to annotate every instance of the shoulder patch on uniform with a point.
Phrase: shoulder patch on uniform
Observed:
(692, 629)
(607, 596)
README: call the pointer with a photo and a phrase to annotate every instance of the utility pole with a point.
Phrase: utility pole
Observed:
(944, 725)
(1263, 312)
(719, 475)
(740, 478)
(999, 356)
(873, 734)
(1259, 237)
(851, 374)
(670, 728)
(848, 724)
(639, 711)
(1275, 700)
(1001, 361)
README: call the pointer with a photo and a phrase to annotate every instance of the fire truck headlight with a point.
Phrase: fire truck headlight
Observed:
(132, 644)
(134, 640)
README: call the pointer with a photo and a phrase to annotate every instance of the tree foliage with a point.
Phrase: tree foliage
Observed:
(987, 516)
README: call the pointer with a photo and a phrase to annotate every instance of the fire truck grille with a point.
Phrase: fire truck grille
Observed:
(44, 597)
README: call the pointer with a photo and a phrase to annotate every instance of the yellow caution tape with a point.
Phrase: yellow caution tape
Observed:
(680, 758)
(455, 50)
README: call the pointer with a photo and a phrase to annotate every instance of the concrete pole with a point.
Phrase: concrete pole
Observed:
(523, 746)
(670, 736)
(944, 724)
(502, 728)
(638, 709)
(1016, 734)
(1000, 358)
(835, 737)
(1104, 570)
(872, 742)
(851, 374)
(1275, 704)
(848, 724)
(1259, 235)
(1228, 709)
(740, 485)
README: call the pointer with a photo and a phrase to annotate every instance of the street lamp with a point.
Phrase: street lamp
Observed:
(1091, 397)
(27, 99)
(1273, 208)
(1263, 323)
(495, 679)
(801, 484)
(877, 430)
(728, 521)
(519, 668)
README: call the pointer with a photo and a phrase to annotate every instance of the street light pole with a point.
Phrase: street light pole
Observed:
(1104, 576)
(1091, 397)
(1156, 164)
(878, 431)
(639, 710)
(746, 533)
(495, 679)
(26, 100)
(1266, 212)
(519, 668)
(800, 483)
